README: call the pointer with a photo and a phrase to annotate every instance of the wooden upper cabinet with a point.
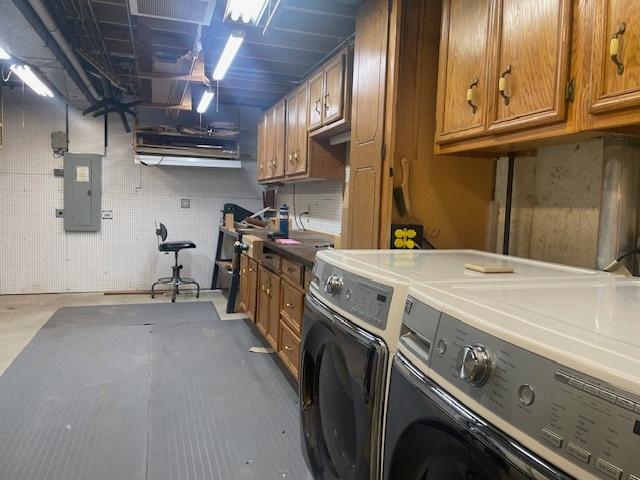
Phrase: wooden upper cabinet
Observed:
(292, 131)
(529, 74)
(315, 102)
(333, 96)
(279, 112)
(269, 133)
(299, 164)
(462, 74)
(367, 124)
(615, 63)
(262, 149)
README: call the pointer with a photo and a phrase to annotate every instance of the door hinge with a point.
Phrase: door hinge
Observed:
(569, 91)
(383, 151)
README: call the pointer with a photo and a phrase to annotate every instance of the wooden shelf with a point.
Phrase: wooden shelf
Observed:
(188, 136)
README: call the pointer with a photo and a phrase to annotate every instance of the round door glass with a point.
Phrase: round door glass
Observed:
(337, 414)
(434, 451)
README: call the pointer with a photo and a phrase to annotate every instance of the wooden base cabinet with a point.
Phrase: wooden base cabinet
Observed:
(276, 290)
(268, 315)
(248, 285)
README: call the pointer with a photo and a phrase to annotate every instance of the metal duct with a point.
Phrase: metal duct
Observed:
(618, 227)
(55, 32)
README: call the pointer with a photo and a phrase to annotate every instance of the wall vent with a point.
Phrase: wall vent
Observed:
(190, 11)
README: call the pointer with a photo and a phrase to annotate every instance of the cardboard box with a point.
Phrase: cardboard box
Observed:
(255, 246)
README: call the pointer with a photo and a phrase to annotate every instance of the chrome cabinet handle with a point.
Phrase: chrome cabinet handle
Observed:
(289, 305)
(288, 348)
(502, 85)
(614, 48)
(471, 95)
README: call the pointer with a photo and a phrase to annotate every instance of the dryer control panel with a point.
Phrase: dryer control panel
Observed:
(589, 422)
(367, 300)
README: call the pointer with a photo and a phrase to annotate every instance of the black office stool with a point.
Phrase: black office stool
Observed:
(175, 280)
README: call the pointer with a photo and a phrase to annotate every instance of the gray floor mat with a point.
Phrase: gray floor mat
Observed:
(161, 391)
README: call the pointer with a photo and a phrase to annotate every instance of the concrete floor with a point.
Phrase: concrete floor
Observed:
(21, 316)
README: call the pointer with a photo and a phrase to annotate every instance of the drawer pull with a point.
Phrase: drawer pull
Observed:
(288, 348)
(614, 48)
(471, 95)
(502, 85)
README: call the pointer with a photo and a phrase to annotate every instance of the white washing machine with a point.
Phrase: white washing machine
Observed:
(352, 322)
(523, 380)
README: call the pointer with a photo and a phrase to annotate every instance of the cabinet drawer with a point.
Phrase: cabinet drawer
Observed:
(271, 261)
(292, 306)
(292, 271)
(289, 350)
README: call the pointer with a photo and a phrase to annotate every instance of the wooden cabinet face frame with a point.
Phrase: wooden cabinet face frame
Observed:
(509, 61)
(615, 88)
(462, 86)
(316, 93)
(333, 90)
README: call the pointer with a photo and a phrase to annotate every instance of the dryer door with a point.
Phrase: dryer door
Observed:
(431, 436)
(342, 377)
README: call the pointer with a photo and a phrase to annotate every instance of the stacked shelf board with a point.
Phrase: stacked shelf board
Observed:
(150, 142)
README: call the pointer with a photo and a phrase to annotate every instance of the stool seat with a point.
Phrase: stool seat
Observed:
(175, 246)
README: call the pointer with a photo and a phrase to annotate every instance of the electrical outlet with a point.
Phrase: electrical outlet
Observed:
(107, 214)
(185, 203)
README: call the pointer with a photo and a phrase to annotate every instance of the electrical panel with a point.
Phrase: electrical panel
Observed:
(82, 192)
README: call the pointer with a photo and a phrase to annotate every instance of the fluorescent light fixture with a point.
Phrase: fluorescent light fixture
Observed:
(247, 11)
(4, 55)
(228, 54)
(27, 76)
(172, 161)
(205, 100)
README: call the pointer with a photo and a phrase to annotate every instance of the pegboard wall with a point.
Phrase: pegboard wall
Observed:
(37, 256)
(323, 201)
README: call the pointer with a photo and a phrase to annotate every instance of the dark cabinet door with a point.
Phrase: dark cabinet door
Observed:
(341, 391)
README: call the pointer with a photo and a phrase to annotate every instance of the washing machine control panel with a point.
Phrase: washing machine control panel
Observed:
(590, 423)
(367, 300)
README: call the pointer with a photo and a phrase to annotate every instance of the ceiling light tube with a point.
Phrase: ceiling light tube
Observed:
(205, 100)
(4, 55)
(30, 78)
(249, 11)
(228, 54)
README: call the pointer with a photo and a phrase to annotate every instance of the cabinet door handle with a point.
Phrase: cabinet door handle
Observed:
(262, 287)
(471, 95)
(288, 348)
(326, 103)
(289, 305)
(295, 156)
(317, 107)
(614, 48)
(502, 85)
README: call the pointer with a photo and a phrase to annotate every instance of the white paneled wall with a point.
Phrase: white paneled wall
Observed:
(37, 256)
(323, 201)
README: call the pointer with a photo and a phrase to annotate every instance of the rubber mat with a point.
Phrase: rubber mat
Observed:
(161, 391)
